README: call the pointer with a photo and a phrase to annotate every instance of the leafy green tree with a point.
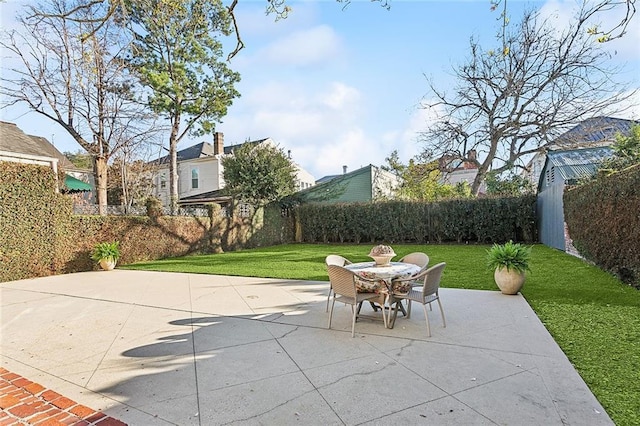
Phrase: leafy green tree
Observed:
(626, 152)
(176, 55)
(259, 174)
(421, 181)
(80, 159)
(508, 186)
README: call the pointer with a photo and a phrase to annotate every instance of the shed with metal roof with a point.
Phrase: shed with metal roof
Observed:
(562, 168)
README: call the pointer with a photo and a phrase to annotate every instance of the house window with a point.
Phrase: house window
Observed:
(194, 178)
(163, 181)
(244, 210)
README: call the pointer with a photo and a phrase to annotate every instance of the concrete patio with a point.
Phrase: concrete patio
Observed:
(152, 348)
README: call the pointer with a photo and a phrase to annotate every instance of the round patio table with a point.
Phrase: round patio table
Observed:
(384, 275)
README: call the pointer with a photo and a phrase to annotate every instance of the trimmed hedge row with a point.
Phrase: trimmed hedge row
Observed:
(33, 220)
(603, 217)
(39, 235)
(484, 220)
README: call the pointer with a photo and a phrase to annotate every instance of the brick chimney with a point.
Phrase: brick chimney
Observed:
(344, 170)
(218, 143)
(471, 155)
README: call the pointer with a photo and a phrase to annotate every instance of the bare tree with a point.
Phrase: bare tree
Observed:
(602, 34)
(281, 9)
(70, 72)
(511, 103)
(130, 181)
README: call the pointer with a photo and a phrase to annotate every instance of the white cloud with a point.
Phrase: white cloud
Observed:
(629, 109)
(341, 97)
(314, 46)
(318, 124)
(347, 147)
(406, 140)
(255, 23)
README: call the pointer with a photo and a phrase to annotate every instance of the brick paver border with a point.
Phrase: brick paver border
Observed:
(23, 402)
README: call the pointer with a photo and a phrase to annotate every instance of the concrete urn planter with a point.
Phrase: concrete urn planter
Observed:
(107, 264)
(509, 281)
(106, 254)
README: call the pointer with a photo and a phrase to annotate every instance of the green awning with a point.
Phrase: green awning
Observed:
(73, 184)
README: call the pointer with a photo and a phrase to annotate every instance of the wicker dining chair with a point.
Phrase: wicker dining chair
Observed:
(343, 284)
(417, 258)
(426, 294)
(334, 259)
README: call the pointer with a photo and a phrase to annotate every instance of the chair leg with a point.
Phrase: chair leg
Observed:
(353, 322)
(426, 316)
(408, 308)
(328, 297)
(392, 320)
(401, 307)
(331, 313)
(444, 324)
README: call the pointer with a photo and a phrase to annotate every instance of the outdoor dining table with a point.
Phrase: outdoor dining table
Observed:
(384, 276)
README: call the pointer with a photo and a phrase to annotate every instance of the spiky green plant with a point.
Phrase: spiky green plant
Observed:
(106, 251)
(510, 255)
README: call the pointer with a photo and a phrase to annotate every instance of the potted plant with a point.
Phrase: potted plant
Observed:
(107, 254)
(510, 262)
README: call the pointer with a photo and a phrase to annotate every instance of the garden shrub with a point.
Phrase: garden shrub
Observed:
(34, 220)
(604, 224)
(39, 235)
(483, 220)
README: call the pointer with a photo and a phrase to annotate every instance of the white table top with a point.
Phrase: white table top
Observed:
(387, 272)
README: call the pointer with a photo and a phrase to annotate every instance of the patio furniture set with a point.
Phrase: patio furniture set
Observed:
(384, 284)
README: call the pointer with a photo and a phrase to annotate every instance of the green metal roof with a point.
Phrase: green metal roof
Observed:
(73, 184)
(578, 163)
(355, 186)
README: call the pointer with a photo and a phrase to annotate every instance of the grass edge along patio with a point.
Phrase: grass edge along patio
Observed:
(594, 317)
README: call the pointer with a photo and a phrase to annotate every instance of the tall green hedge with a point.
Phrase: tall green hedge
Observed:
(483, 220)
(33, 220)
(40, 235)
(603, 218)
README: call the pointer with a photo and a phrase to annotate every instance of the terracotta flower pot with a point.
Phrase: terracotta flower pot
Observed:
(509, 282)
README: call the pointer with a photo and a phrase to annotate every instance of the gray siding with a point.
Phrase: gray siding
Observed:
(551, 216)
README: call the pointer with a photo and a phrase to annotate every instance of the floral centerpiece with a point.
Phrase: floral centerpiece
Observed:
(382, 254)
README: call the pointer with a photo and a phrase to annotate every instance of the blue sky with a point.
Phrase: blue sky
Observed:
(342, 85)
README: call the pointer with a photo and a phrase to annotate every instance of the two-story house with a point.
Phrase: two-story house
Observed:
(201, 174)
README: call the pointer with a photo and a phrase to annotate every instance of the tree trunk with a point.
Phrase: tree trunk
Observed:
(173, 177)
(124, 180)
(100, 170)
(173, 166)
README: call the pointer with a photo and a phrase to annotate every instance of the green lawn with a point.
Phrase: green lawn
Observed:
(594, 317)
